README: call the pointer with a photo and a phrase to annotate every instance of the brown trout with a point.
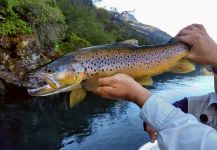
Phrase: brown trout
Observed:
(79, 71)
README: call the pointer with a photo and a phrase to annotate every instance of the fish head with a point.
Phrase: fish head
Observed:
(55, 78)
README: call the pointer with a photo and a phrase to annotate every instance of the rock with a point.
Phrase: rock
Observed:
(18, 55)
(138, 30)
(126, 16)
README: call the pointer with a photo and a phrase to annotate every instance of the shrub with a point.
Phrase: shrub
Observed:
(73, 42)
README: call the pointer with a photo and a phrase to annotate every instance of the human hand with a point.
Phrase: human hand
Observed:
(204, 49)
(151, 132)
(123, 87)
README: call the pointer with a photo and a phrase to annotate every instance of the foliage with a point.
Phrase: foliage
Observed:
(83, 22)
(12, 24)
(40, 12)
(106, 18)
(46, 17)
(72, 42)
(9, 4)
(62, 25)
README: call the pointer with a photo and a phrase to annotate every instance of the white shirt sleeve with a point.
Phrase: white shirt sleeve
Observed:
(177, 130)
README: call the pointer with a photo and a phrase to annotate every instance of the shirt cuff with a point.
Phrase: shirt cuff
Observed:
(155, 110)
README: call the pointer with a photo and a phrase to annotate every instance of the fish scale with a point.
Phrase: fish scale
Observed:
(134, 61)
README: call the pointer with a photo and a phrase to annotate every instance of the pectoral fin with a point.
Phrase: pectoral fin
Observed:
(145, 81)
(77, 96)
(184, 66)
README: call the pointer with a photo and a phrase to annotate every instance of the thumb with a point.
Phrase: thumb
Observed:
(187, 39)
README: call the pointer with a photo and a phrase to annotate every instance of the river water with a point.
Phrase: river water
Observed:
(95, 124)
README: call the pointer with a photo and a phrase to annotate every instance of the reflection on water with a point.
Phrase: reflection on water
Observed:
(48, 123)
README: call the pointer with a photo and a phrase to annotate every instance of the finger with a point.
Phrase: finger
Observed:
(183, 32)
(199, 26)
(105, 91)
(106, 81)
(195, 27)
(191, 56)
(187, 39)
(191, 29)
(187, 32)
(106, 96)
(153, 136)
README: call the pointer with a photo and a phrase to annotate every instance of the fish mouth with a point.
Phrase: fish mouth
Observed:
(44, 85)
(40, 84)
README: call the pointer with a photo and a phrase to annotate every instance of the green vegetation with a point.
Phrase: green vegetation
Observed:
(83, 21)
(46, 18)
(61, 25)
(12, 24)
(72, 42)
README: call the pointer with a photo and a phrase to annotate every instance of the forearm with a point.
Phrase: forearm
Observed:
(177, 127)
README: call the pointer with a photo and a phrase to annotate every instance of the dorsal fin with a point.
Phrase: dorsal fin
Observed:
(173, 40)
(131, 42)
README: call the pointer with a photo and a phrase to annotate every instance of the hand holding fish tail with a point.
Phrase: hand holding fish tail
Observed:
(123, 87)
(204, 48)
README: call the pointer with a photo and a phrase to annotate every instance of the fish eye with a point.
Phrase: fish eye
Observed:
(49, 70)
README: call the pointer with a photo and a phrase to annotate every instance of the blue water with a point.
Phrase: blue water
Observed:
(95, 124)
